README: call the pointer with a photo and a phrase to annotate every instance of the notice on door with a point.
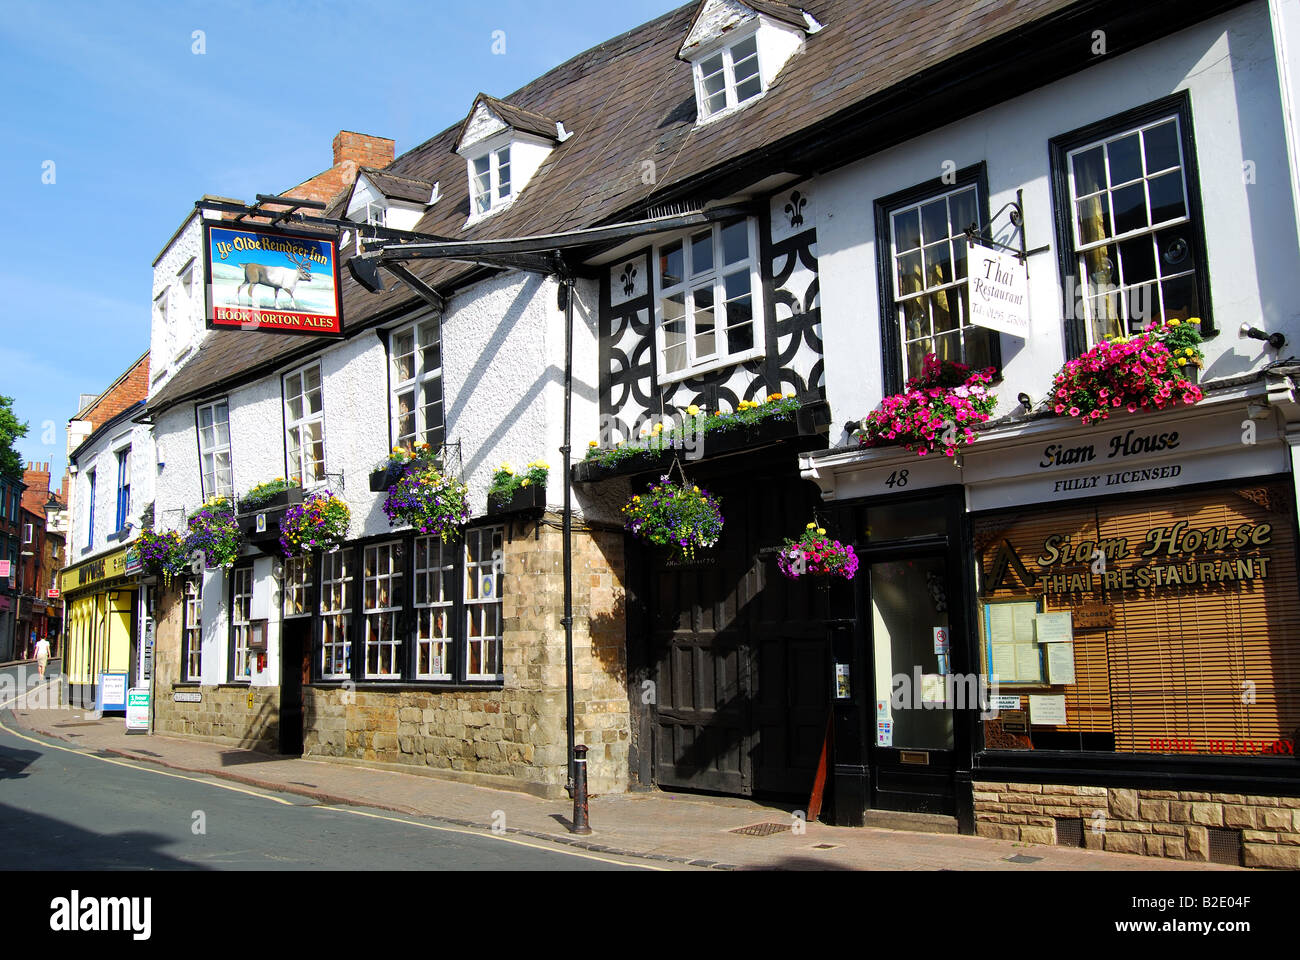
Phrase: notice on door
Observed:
(1047, 711)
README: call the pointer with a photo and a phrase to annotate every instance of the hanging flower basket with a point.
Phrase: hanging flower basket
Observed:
(431, 502)
(317, 525)
(214, 531)
(162, 554)
(1130, 374)
(391, 468)
(817, 555)
(936, 412)
(679, 516)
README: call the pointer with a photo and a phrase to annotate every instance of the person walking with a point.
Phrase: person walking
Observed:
(42, 656)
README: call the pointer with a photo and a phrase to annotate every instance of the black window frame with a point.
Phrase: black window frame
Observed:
(406, 619)
(1176, 105)
(891, 343)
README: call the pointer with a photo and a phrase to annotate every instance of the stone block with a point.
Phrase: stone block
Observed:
(1038, 834)
(1198, 843)
(1268, 855)
(1124, 804)
(1239, 815)
(1154, 810)
(1176, 847)
(997, 831)
(1123, 842)
(1275, 818)
(1153, 846)
(1180, 812)
(1208, 814)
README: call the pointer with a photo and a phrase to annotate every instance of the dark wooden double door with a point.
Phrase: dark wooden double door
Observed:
(739, 653)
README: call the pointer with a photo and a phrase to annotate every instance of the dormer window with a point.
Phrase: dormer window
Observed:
(729, 78)
(376, 214)
(491, 185)
(503, 146)
(736, 50)
(382, 198)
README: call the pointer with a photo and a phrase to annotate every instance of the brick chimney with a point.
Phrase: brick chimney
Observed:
(351, 152)
(362, 149)
(37, 478)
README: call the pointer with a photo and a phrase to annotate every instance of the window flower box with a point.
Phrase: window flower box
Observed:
(525, 500)
(386, 477)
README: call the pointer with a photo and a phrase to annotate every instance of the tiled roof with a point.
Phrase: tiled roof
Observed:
(526, 121)
(395, 187)
(628, 101)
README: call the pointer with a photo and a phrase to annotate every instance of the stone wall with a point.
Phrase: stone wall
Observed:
(224, 714)
(513, 737)
(1158, 823)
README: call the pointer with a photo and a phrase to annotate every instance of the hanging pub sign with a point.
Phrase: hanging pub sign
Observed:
(998, 284)
(273, 281)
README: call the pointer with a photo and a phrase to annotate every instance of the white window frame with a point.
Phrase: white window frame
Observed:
(122, 490)
(186, 276)
(193, 594)
(336, 614)
(29, 533)
(730, 86)
(382, 575)
(211, 485)
(241, 625)
(478, 608)
(307, 419)
(415, 385)
(493, 194)
(696, 365)
(434, 602)
(1119, 287)
(376, 214)
(296, 593)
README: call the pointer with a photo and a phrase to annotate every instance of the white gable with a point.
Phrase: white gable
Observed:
(717, 17)
(484, 123)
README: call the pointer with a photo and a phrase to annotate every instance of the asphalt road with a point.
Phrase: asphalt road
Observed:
(65, 809)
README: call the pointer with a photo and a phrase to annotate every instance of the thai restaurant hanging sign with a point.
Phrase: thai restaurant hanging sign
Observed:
(998, 284)
(272, 281)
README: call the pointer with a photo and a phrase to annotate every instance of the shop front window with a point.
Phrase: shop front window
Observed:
(1162, 625)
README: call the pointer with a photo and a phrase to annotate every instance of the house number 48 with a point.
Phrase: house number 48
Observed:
(897, 479)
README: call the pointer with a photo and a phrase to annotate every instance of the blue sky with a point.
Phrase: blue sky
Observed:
(139, 126)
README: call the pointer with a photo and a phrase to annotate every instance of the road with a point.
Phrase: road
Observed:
(62, 808)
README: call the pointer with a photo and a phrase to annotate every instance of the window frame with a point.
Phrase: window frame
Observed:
(689, 284)
(344, 615)
(90, 518)
(298, 581)
(454, 607)
(730, 87)
(395, 641)
(123, 513)
(492, 532)
(306, 420)
(192, 630)
(416, 384)
(214, 490)
(236, 626)
(885, 207)
(1060, 148)
(496, 200)
(446, 607)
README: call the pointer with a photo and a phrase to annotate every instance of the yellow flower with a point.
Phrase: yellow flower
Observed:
(821, 532)
(1175, 322)
(636, 499)
(526, 482)
(594, 443)
(812, 526)
(692, 410)
(659, 428)
(1195, 320)
(790, 395)
(697, 489)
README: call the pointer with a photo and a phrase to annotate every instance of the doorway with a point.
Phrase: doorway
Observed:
(295, 672)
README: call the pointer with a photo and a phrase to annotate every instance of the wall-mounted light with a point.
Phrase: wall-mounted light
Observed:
(1275, 340)
(1026, 400)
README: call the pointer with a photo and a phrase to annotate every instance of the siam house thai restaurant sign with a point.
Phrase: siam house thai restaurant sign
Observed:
(274, 281)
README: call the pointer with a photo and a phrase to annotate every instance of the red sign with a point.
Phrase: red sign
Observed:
(52, 593)
(5, 570)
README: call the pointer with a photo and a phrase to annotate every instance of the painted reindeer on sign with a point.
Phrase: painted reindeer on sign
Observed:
(277, 278)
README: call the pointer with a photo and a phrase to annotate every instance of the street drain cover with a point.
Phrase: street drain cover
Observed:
(1021, 858)
(825, 846)
(762, 829)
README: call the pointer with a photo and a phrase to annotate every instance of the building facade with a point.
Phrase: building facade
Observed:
(11, 548)
(789, 223)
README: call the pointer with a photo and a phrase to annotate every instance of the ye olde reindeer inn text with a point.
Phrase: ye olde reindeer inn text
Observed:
(1064, 477)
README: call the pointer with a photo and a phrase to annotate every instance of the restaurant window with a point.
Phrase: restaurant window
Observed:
(435, 596)
(297, 587)
(305, 425)
(214, 450)
(706, 285)
(926, 305)
(1167, 624)
(241, 624)
(382, 608)
(416, 379)
(336, 615)
(1133, 253)
(193, 630)
(483, 608)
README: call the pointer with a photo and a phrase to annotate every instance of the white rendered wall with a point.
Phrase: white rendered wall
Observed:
(101, 457)
(1228, 67)
(171, 344)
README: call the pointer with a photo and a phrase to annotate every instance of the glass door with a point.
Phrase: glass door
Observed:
(910, 633)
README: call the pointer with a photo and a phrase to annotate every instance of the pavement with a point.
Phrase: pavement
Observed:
(683, 830)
